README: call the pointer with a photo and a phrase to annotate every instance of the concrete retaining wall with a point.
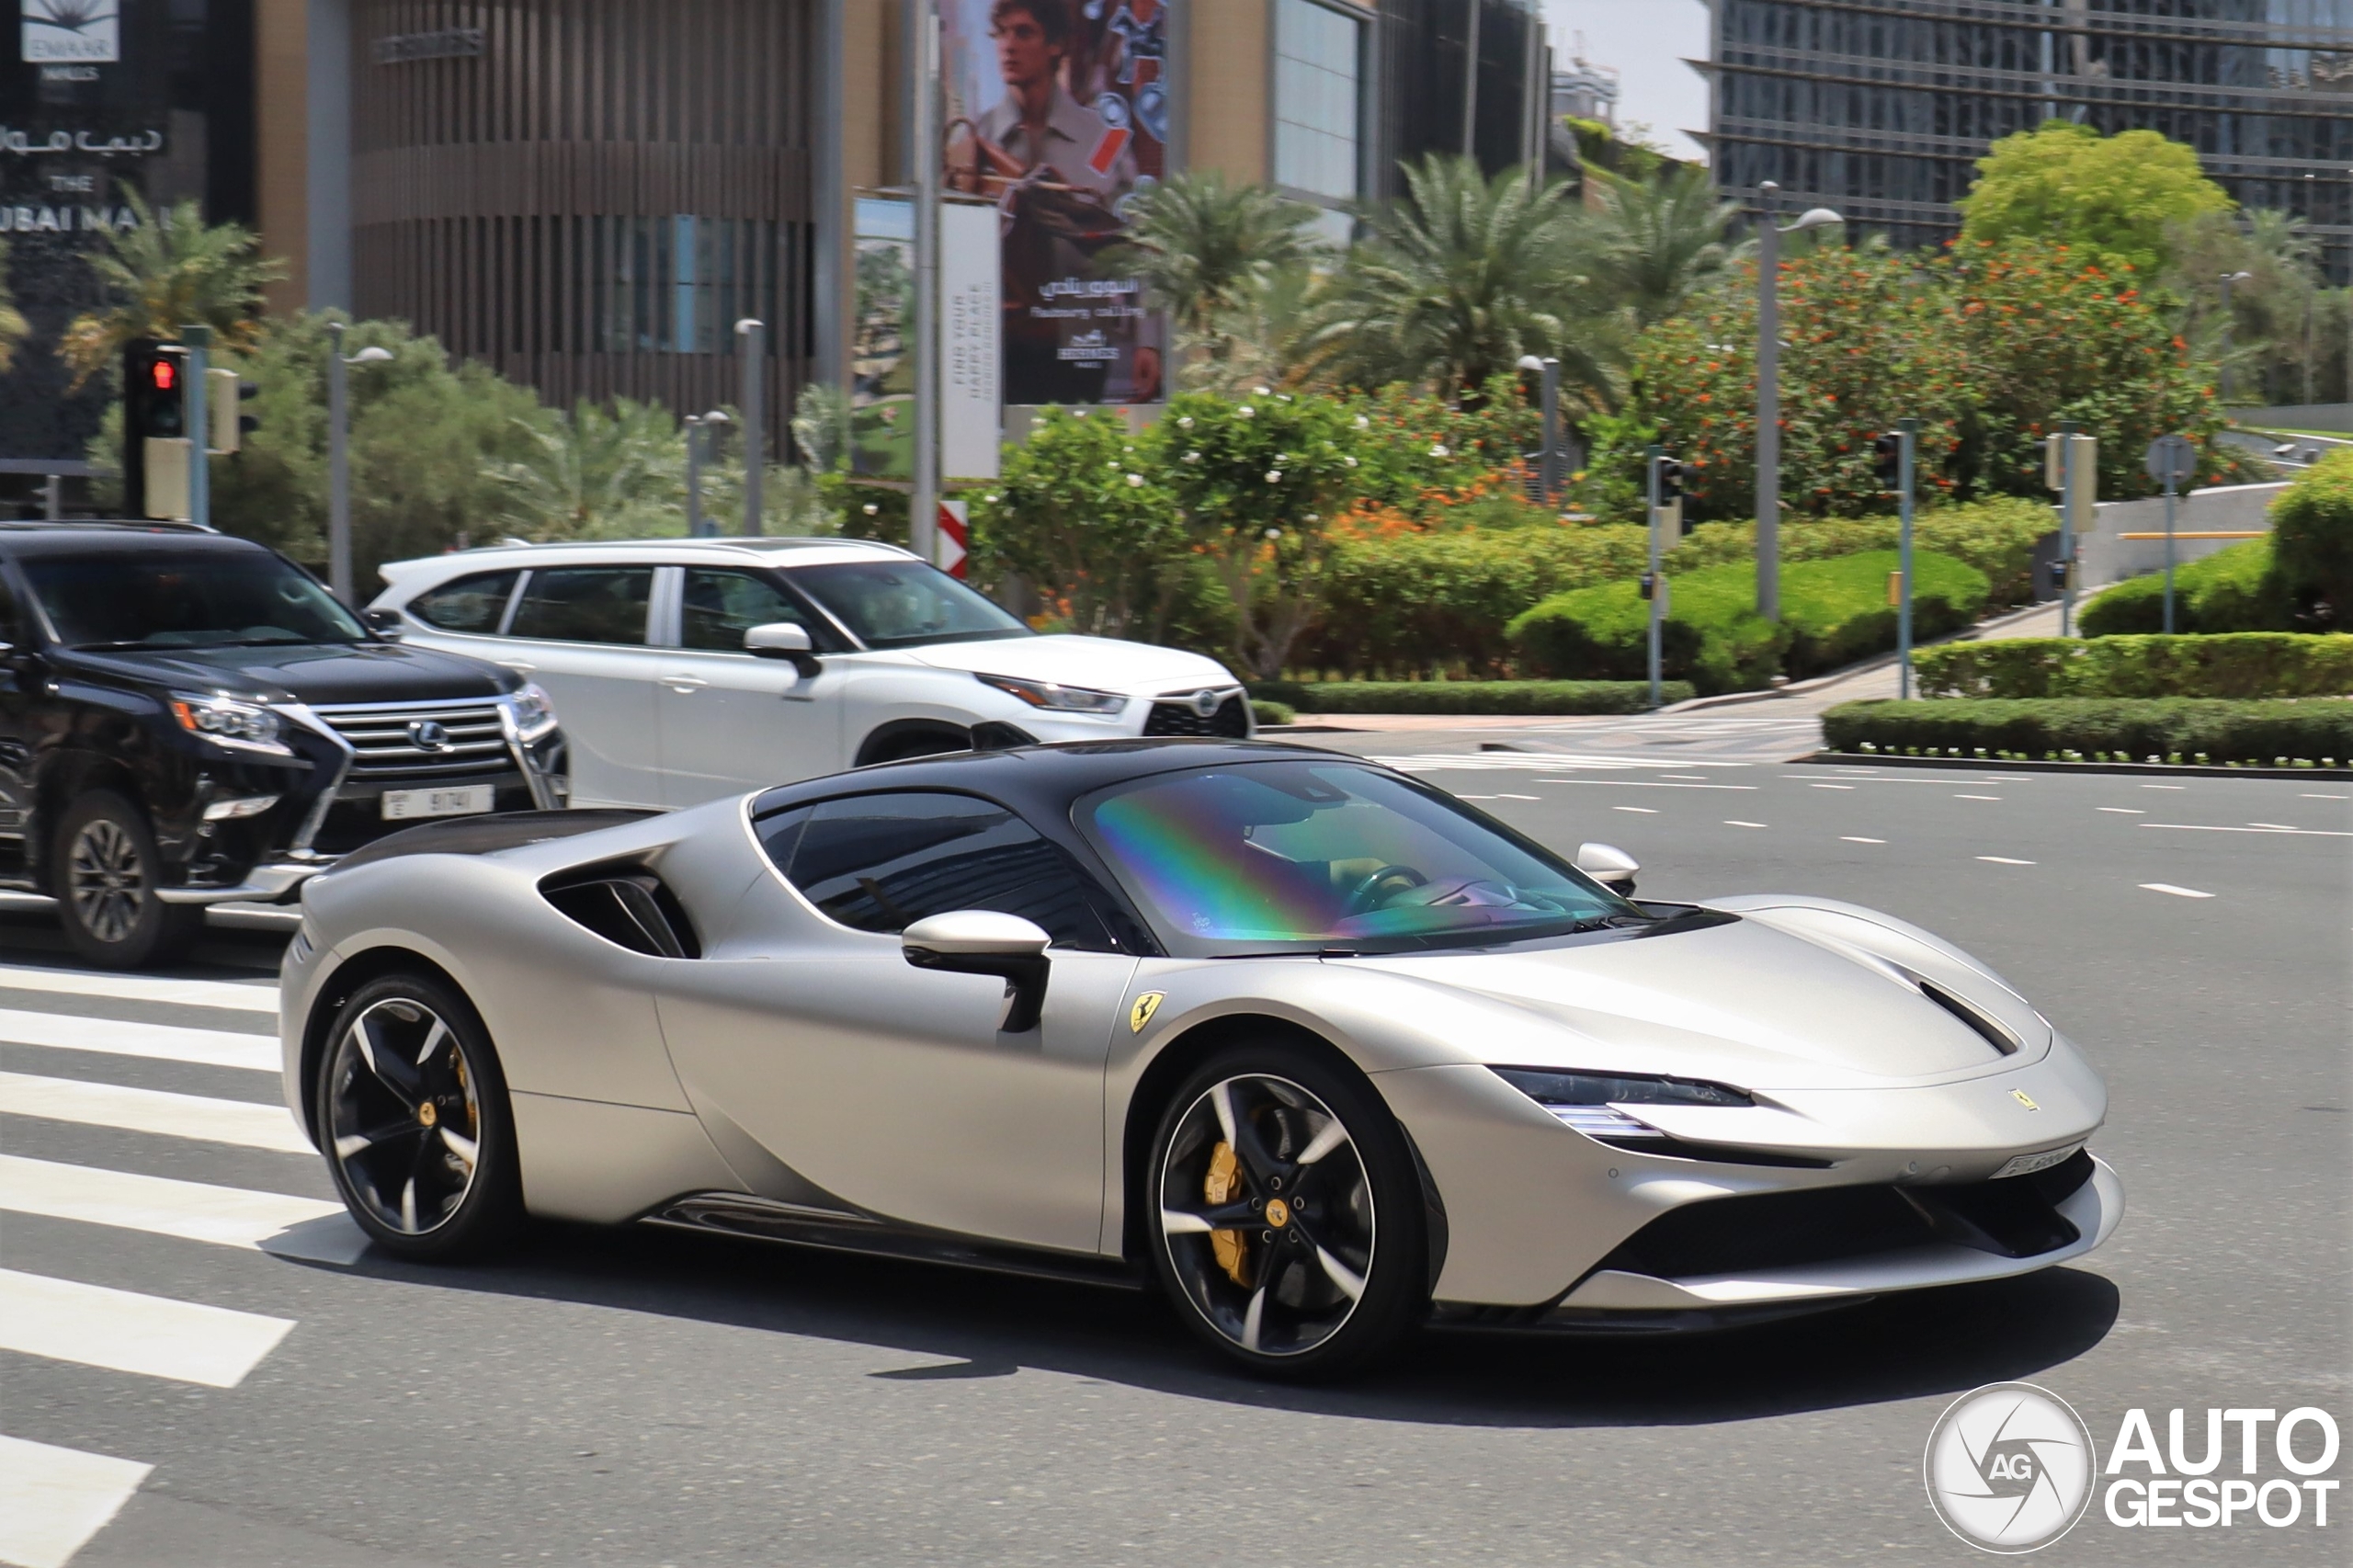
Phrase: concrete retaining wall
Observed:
(2106, 558)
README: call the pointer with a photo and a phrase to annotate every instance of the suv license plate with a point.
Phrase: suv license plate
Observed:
(2026, 1164)
(400, 805)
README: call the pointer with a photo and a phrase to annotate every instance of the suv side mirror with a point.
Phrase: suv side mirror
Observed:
(783, 639)
(982, 941)
(1609, 866)
(384, 621)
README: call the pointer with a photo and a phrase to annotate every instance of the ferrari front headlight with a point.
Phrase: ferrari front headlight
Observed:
(1589, 1101)
(1056, 698)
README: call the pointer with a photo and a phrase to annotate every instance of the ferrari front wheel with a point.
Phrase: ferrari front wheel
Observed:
(1287, 1216)
(413, 1116)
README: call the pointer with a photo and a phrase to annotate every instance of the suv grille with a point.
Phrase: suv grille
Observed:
(424, 740)
(1181, 718)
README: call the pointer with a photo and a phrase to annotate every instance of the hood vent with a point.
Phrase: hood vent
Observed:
(628, 906)
(2003, 1043)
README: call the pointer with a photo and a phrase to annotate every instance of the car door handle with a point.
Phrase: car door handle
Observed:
(685, 686)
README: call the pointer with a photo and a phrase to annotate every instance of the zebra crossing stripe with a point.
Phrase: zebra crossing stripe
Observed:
(160, 1042)
(53, 1500)
(95, 1326)
(118, 1106)
(192, 1211)
(222, 994)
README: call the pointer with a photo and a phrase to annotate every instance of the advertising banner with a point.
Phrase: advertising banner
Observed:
(970, 409)
(1058, 113)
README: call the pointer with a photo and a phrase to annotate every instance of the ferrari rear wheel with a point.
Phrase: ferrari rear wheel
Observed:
(1287, 1216)
(413, 1117)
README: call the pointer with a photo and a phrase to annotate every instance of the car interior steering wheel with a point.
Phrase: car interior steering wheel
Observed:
(1366, 896)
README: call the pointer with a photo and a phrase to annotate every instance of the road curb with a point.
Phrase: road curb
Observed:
(1880, 759)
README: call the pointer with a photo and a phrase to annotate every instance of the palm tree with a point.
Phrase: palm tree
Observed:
(1204, 245)
(1457, 281)
(595, 473)
(12, 327)
(1651, 243)
(166, 275)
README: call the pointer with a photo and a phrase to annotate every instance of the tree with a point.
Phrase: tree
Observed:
(2264, 345)
(161, 274)
(596, 472)
(1457, 282)
(1081, 511)
(2066, 182)
(1653, 242)
(13, 327)
(1258, 482)
(1204, 246)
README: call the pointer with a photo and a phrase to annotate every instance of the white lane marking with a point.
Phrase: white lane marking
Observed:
(1519, 797)
(2310, 797)
(2004, 860)
(160, 1042)
(1977, 797)
(95, 1326)
(1730, 823)
(2279, 832)
(153, 1110)
(1830, 786)
(2165, 786)
(1700, 778)
(53, 1500)
(225, 993)
(1645, 811)
(2123, 810)
(2178, 893)
(191, 1210)
(1850, 838)
(1644, 784)
(2281, 826)
(1475, 797)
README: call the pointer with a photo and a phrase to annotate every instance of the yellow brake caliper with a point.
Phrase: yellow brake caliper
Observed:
(1223, 1185)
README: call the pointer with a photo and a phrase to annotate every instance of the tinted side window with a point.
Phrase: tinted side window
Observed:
(471, 604)
(12, 625)
(585, 604)
(881, 862)
(720, 606)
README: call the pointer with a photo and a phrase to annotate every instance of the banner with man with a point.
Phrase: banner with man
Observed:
(1058, 111)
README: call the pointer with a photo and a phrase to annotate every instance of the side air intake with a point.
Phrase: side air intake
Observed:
(628, 906)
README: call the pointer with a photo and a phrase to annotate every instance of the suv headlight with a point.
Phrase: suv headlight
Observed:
(1587, 1101)
(229, 722)
(1057, 699)
(532, 712)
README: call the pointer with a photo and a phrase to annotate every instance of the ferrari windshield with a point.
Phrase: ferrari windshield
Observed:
(1329, 853)
(197, 599)
(903, 603)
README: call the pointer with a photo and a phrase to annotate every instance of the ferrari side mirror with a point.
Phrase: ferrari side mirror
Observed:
(982, 941)
(1609, 866)
(783, 639)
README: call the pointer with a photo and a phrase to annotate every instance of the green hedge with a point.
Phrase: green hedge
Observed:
(1996, 537)
(2238, 664)
(1273, 712)
(2172, 729)
(1467, 695)
(2235, 589)
(1833, 612)
(2313, 525)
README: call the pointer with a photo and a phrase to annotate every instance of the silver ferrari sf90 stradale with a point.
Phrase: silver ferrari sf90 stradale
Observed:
(1322, 1049)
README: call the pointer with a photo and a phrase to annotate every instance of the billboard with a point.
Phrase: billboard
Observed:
(1058, 113)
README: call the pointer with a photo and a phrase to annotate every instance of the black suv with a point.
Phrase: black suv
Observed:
(188, 719)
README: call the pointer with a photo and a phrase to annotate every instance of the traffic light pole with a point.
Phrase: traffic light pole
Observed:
(338, 467)
(2066, 528)
(1910, 429)
(198, 340)
(1658, 588)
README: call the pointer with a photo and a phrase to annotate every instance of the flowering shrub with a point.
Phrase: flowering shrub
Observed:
(1082, 512)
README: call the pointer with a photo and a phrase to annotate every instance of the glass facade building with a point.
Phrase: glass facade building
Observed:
(1881, 107)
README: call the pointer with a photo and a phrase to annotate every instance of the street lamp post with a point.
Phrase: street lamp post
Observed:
(2229, 278)
(702, 432)
(1548, 466)
(1769, 391)
(751, 337)
(922, 498)
(339, 456)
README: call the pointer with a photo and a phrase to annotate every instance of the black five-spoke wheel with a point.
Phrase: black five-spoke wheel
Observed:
(413, 1118)
(1287, 1216)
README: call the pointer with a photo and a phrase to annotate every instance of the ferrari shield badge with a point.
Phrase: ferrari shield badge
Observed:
(1141, 1014)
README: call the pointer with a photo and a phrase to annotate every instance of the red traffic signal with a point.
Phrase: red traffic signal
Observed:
(163, 375)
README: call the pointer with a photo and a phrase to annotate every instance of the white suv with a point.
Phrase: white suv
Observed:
(863, 655)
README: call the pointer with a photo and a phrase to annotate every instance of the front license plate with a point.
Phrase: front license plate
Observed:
(2026, 1164)
(402, 805)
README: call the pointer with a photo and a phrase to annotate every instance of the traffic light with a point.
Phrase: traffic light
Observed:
(1670, 493)
(224, 396)
(155, 430)
(1887, 460)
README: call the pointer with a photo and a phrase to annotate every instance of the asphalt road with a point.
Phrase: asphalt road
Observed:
(656, 1398)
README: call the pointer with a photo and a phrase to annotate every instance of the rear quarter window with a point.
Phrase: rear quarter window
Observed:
(474, 604)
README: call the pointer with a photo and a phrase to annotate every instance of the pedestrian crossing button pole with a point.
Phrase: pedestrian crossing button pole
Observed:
(2171, 460)
(1894, 454)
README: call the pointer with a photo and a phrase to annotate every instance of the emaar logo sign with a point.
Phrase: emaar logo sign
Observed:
(72, 32)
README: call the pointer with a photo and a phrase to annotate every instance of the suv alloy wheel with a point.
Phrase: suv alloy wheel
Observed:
(102, 870)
